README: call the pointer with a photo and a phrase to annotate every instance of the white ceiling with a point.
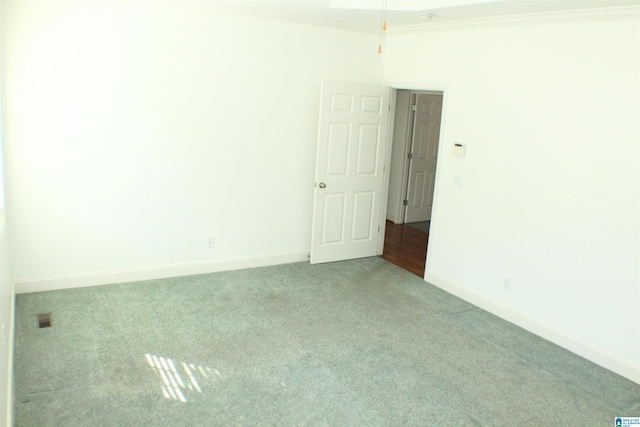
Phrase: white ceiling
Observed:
(322, 12)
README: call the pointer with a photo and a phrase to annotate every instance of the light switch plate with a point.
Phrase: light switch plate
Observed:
(459, 149)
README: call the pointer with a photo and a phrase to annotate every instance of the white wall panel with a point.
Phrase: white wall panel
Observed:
(551, 188)
(136, 129)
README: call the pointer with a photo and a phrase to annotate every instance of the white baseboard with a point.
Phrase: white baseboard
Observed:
(393, 217)
(156, 272)
(595, 355)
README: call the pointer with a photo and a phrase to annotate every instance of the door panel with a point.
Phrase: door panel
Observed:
(341, 103)
(422, 166)
(371, 104)
(350, 157)
(362, 215)
(338, 149)
(417, 196)
(333, 219)
(368, 142)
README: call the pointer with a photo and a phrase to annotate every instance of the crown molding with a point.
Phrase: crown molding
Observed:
(599, 14)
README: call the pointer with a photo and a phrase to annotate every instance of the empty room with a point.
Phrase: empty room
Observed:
(196, 194)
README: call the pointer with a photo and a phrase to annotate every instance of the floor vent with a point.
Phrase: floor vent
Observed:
(45, 320)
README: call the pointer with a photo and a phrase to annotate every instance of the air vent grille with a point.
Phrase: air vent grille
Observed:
(45, 320)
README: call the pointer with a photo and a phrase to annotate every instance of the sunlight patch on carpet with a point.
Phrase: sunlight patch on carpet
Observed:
(172, 385)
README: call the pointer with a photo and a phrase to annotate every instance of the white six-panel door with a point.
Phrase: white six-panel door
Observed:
(349, 171)
(424, 152)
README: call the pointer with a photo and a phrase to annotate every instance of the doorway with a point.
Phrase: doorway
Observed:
(414, 149)
(406, 247)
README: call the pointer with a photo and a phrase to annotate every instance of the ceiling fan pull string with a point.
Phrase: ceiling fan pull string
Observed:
(383, 24)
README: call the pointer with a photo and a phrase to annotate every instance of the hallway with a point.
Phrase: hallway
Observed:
(405, 247)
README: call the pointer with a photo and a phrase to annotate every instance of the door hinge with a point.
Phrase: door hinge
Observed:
(410, 155)
(378, 229)
(405, 203)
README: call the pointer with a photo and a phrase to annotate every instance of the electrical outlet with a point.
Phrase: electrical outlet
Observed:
(210, 242)
(506, 285)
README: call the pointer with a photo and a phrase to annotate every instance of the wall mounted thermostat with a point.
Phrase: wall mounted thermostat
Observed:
(459, 149)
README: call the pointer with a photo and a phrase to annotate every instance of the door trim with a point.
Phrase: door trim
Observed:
(387, 169)
(428, 88)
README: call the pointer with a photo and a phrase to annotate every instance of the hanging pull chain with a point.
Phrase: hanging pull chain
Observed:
(383, 24)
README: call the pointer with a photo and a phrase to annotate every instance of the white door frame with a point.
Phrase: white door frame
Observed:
(417, 87)
(411, 148)
(387, 168)
(398, 209)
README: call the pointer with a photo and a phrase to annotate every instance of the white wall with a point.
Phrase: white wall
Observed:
(549, 112)
(135, 129)
(7, 293)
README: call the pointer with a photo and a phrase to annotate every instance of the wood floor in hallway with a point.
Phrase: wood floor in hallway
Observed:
(405, 247)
